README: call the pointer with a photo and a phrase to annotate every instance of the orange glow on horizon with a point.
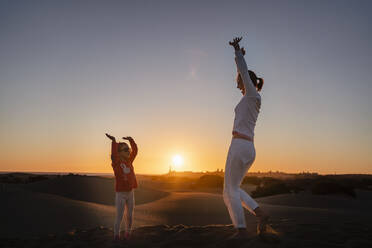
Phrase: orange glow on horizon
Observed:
(202, 149)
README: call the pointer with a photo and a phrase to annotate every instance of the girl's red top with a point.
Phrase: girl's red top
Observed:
(125, 179)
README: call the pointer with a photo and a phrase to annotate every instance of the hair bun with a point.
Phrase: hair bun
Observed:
(257, 82)
(260, 84)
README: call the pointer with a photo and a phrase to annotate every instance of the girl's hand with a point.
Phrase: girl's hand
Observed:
(112, 138)
(235, 42)
(128, 138)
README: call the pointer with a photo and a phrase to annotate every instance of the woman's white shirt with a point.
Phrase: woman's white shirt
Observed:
(247, 110)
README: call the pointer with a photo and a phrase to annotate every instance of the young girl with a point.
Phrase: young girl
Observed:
(125, 181)
(242, 152)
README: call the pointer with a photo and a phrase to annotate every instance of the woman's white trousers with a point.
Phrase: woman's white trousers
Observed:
(240, 157)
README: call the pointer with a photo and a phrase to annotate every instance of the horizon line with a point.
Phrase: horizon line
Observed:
(157, 174)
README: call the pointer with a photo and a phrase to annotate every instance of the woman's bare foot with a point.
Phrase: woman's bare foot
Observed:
(263, 220)
(241, 233)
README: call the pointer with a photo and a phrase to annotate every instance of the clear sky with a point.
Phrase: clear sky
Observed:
(162, 72)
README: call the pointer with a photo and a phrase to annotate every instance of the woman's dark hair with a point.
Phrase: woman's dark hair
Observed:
(257, 82)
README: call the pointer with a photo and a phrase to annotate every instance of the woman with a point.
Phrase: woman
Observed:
(242, 153)
(125, 181)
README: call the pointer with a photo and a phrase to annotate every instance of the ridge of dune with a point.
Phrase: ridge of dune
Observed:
(91, 189)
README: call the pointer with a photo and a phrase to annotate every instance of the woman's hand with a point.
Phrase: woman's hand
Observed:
(112, 138)
(128, 138)
(243, 50)
(235, 43)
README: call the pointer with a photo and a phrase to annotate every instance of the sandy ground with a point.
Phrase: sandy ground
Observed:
(178, 219)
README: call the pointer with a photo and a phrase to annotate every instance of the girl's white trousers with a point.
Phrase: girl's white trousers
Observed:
(124, 202)
(239, 159)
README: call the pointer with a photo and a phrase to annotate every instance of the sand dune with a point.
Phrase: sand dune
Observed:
(27, 213)
(189, 208)
(305, 222)
(362, 202)
(302, 220)
(91, 189)
(30, 213)
(197, 208)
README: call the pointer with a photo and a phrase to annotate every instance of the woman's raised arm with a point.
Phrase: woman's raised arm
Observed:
(242, 66)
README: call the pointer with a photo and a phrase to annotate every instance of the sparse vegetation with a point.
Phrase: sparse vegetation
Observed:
(21, 178)
(316, 184)
(33, 179)
(271, 186)
(252, 180)
(325, 187)
(25, 178)
(210, 181)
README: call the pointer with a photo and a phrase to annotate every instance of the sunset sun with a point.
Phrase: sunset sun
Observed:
(177, 161)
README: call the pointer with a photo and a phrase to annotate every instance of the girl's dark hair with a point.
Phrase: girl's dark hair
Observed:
(257, 82)
(122, 144)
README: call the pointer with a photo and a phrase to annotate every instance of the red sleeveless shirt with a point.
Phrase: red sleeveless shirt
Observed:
(125, 178)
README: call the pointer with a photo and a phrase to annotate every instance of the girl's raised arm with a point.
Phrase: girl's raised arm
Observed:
(134, 148)
(114, 147)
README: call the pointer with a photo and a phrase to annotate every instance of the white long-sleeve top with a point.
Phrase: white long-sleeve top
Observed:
(246, 112)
